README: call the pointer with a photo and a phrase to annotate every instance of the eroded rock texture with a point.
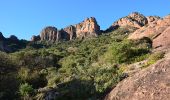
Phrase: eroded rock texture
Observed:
(87, 28)
(152, 83)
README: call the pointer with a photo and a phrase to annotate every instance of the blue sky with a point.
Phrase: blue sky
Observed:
(25, 18)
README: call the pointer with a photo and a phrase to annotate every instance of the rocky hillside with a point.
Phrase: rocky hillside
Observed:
(128, 61)
(151, 83)
(145, 26)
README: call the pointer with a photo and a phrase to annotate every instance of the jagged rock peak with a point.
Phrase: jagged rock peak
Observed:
(88, 28)
(139, 18)
(134, 19)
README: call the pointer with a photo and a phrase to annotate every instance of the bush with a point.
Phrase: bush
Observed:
(26, 90)
(8, 81)
(33, 77)
(122, 51)
(153, 58)
(129, 51)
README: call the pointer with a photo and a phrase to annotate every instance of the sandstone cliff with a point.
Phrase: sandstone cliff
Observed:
(87, 28)
(50, 34)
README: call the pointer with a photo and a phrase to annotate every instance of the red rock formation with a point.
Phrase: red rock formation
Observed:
(152, 83)
(50, 34)
(163, 40)
(87, 28)
(152, 19)
(152, 29)
(133, 20)
(71, 32)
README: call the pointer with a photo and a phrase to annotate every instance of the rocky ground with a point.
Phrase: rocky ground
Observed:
(152, 83)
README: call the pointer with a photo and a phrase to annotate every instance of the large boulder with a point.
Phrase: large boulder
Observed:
(152, 83)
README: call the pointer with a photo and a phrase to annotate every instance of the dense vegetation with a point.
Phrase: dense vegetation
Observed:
(74, 70)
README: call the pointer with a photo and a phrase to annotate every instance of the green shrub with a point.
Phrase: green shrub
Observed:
(153, 58)
(26, 90)
(121, 51)
(129, 51)
(33, 77)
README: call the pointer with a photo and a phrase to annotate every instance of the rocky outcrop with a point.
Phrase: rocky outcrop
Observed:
(50, 34)
(69, 32)
(158, 30)
(135, 19)
(152, 19)
(35, 38)
(155, 27)
(152, 83)
(87, 28)
(1, 37)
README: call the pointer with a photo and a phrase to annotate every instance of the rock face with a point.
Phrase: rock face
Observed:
(155, 27)
(35, 38)
(152, 83)
(158, 29)
(163, 40)
(87, 28)
(50, 34)
(152, 19)
(69, 33)
(135, 19)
